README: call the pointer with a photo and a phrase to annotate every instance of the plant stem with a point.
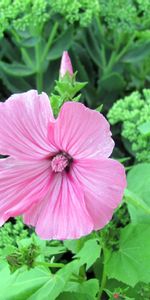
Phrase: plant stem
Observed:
(50, 265)
(39, 72)
(50, 40)
(104, 275)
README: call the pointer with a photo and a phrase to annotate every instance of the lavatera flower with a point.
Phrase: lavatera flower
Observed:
(58, 175)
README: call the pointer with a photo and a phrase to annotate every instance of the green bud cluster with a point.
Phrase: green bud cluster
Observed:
(10, 233)
(81, 11)
(33, 14)
(132, 112)
(125, 16)
(22, 15)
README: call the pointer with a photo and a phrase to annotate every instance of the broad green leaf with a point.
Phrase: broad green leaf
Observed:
(55, 285)
(138, 53)
(75, 296)
(131, 263)
(139, 185)
(62, 43)
(22, 285)
(145, 129)
(89, 253)
(16, 69)
(112, 82)
(90, 287)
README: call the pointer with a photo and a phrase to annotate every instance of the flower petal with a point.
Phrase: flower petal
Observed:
(21, 184)
(103, 182)
(82, 132)
(24, 120)
(62, 215)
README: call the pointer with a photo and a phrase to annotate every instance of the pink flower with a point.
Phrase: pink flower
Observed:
(58, 174)
(66, 65)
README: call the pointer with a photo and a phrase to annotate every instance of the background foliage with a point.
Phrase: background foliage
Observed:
(109, 44)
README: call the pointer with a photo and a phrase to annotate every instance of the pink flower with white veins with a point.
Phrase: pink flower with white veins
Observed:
(58, 174)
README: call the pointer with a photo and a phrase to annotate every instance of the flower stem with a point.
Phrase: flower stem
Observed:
(104, 275)
(50, 265)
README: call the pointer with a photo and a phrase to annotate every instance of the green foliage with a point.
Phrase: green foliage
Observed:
(33, 14)
(131, 263)
(133, 112)
(138, 200)
(65, 89)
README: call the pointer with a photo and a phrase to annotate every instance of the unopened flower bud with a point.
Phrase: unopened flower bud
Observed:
(66, 65)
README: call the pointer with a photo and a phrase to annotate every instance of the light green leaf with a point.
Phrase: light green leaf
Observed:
(131, 263)
(145, 129)
(90, 287)
(75, 296)
(139, 185)
(89, 253)
(55, 285)
(22, 284)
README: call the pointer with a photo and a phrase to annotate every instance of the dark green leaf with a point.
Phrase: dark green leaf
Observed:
(16, 69)
(62, 43)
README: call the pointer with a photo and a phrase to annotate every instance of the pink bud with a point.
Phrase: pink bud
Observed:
(66, 65)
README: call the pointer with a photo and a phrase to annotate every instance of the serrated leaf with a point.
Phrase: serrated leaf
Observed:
(87, 255)
(131, 263)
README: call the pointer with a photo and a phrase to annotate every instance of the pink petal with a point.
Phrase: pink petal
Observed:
(66, 65)
(24, 120)
(103, 182)
(21, 184)
(82, 132)
(63, 214)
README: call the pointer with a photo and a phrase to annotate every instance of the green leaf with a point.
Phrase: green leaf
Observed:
(87, 255)
(131, 263)
(62, 43)
(55, 285)
(90, 287)
(138, 53)
(145, 129)
(92, 46)
(112, 82)
(22, 284)
(75, 296)
(16, 69)
(139, 184)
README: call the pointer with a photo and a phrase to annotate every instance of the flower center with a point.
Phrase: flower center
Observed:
(60, 162)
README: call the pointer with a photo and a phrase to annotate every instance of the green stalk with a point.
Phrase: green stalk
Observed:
(104, 275)
(39, 72)
(50, 40)
(40, 57)
(50, 265)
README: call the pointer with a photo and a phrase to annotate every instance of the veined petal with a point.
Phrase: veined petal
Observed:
(21, 185)
(24, 120)
(103, 182)
(62, 215)
(81, 132)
